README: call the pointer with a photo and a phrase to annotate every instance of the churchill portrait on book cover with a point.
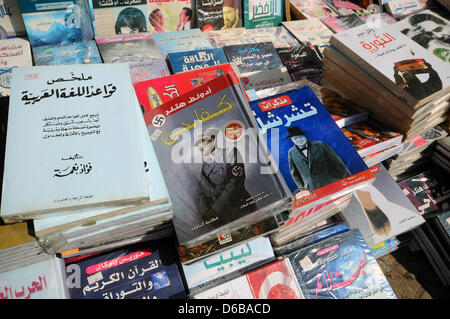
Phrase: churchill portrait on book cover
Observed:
(313, 164)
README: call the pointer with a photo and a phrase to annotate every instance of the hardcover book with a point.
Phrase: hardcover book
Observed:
(262, 13)
(310, 9)
(404, 67)
(218, 15)
(180, 41)
(219, 184)
(341, 267)
(13, 53)
(196, 59)
(147, 270)
(169, 16)
(11, 22)
(342, 22)
(299, 131)
(54, 22)
(71, 113)
(273, 281)
(83, 52)
(381, 210)
(311, 32)
(428, 29)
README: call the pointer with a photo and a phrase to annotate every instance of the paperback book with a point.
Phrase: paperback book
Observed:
(218, 15)
(402, 8)
(83, 52)
(342, 22)
(196, 59)
(343, 7)
(179, 41)
(279, 36)
(170, 16)
(302, 62)
(310, 9)
(11, 22)
(263, 79)
(311, 32)
(263, 13)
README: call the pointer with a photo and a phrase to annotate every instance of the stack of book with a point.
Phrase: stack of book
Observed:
(400, 77)
(441, 154)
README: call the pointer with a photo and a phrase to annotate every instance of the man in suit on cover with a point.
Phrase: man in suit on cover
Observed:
(313, 164)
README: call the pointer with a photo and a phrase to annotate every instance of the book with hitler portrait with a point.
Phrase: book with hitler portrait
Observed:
(219, 172)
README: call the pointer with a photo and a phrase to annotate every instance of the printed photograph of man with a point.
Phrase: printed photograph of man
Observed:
(313, 164)
(184, 21)
(230, 13)
(156, 19)
(130, 20)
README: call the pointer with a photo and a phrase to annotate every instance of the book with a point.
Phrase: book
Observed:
(223, 186)
(279, 36)
(294, 120)
(273, 281)
(401, 8)
(218, 15)
(376, 17)
(83, 52)
(71, 127)
(147, 270)
(14, 53)
(263, 79)
(11, 21)
(341, 267)
(342, 22)
(53, 22)
(253, 57)
(119, 17)
(370, 137)
(221, 38)
(310, 9)
(179, 41)
(386, 247)
(262, 13)
(342, 7)
(311, 32)
(398, 62)
(381, 210)
(155, 92)
(227, 264)
(428, 29)
(301, 62)
(196, 59)
(380, 156)
(444, 219)
(170, 16)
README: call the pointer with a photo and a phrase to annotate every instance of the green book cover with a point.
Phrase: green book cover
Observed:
(262, 13)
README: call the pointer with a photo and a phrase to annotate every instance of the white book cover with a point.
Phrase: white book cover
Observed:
(407, 69)
(310, 30)
(73, 140)
(399, 8)
(14, 53)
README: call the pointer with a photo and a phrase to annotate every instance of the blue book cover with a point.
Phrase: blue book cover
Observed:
(146, 270)
(313, 155)
(53, 22)
(83, 52)
(253, 57)
(196, 59)
(341, 267)
(179, 41)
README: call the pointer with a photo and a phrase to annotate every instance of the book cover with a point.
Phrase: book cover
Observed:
(342, 7)
(370, 137)
(218, 15)
(301, 61)
(71, 114)
(169, 16)
(381, 210)
(224, 264)
(386, 247)
(221, 38)
(179, 41)
(401, 8)
(54, 22)
(404, 67)
(262, 13)
(342, 22)
(444, 219)
(196, 59)
(11, 22)
(380, 16)
(428, 29)
(119, 17)
(155, 92)
(312, 8)
(225, 177)
(147, 270)
(313, 155)
(310, 32)
(279, 36)
(341, 267)
(83, 52)
(14, 53)
(267, 78)
(253, 57)
(273, 281)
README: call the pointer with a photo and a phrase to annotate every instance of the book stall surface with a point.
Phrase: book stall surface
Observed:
(179, 41)
(342, 22)
(381, 210)
(11, 22)
(82, 52)
(314, 156)
(310, 32)
(119, 17)
(147, 270)
(53, 22)
(14, 53)
(341, 267)
(196, 59)
(220, 183)
(428, 29)
(71, 113)
(169, 16)
(263, 13)
(218, 15)
(310, 9)
(273, 281)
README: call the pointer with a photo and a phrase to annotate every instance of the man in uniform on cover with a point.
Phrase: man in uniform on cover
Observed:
(313, 164)
(221, 188)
